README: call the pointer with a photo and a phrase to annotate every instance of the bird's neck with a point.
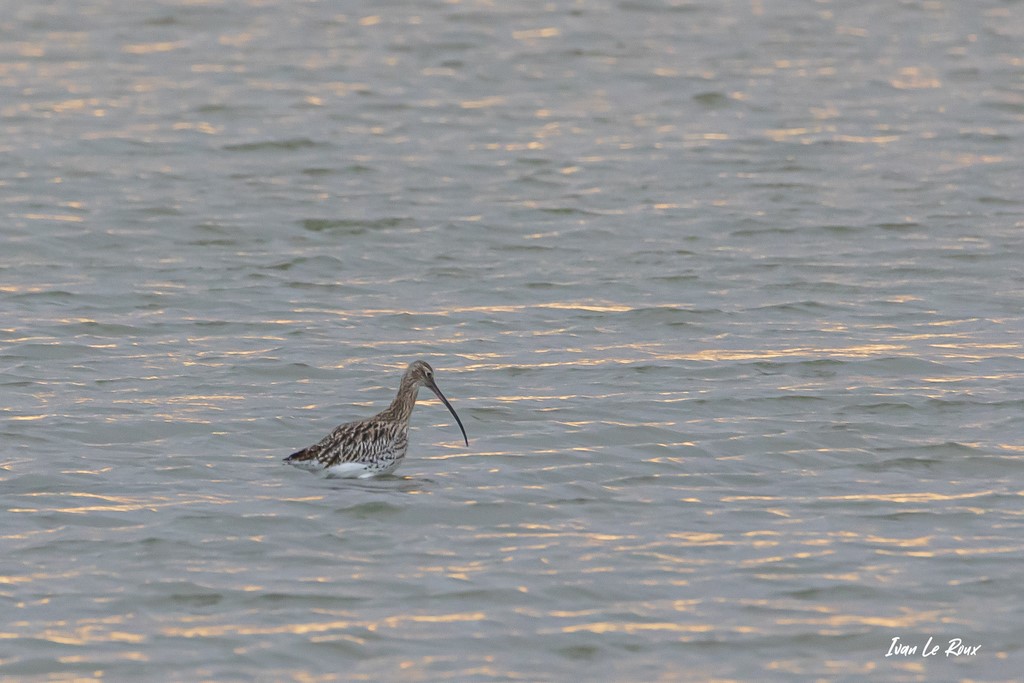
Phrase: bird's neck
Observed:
(405, 400)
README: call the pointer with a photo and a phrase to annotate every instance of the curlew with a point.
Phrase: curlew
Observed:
(377, 445)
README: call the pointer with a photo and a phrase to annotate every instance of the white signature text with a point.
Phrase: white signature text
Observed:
(955, 647)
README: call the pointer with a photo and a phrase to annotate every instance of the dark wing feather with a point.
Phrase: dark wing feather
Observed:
(330, 450)
(364, 441)
(308, 453)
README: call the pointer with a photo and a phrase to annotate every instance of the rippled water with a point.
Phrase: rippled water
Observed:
(728, 296)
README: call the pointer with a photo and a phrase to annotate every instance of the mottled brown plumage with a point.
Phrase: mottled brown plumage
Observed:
(378, 444)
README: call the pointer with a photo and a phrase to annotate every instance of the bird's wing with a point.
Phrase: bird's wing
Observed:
(327, 451)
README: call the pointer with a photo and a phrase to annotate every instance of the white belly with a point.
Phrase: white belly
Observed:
(359, 470)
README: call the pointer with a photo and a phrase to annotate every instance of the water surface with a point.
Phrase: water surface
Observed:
(728, 297)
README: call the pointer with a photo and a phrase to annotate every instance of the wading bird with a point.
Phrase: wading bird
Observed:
(367, 448)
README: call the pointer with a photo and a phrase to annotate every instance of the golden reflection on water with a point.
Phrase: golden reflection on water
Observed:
(108, 503)
(304, 628)
(638, 627)
(153, 48)
(919, 497)
(945, 345)
(60, 217)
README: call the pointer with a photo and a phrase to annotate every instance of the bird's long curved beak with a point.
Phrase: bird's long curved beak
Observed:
(437, 392)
